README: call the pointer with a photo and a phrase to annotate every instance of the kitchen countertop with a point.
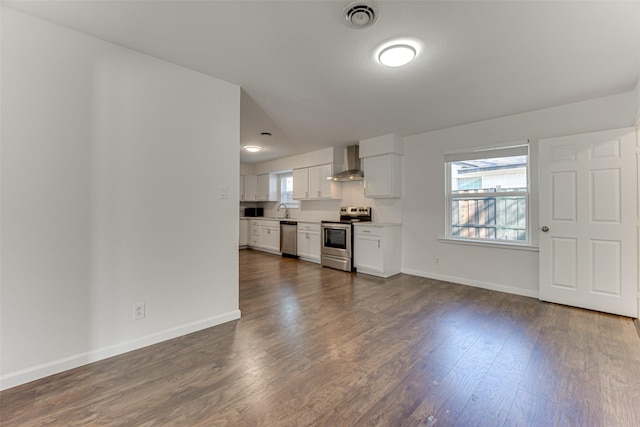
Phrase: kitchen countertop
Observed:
(266, 218)
(318, 221)
(377, 224)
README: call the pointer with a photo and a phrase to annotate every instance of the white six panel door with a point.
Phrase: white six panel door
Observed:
(588, 192)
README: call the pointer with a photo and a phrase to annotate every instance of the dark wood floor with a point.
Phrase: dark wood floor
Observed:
(321, 347)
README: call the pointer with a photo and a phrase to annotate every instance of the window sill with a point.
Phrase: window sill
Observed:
(490, 244)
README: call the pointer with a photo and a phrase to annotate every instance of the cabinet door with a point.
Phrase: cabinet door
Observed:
(275, 239)
(244, 234)
(325, 185)
(267, 191)
(250, 188)
(319, 186)
(303, 244)
(368, 253)
(309, 245)
(314, 182)
(314, 246)
(301, 183)
(382, 176)
(270, 238)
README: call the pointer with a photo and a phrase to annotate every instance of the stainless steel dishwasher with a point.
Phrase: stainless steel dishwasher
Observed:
(289, 238)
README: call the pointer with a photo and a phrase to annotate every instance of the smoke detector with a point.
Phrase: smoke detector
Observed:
(360, 15)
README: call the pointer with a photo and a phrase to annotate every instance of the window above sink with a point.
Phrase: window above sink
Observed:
(285, 190)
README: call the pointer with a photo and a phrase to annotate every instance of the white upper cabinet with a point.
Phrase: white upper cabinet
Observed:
(312, 183)
(382, 161)
(301, 183)
(382, 176)
(319, 186)
(267, 188)
(250, 193)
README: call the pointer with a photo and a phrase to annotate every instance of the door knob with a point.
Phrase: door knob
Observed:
(544, 228)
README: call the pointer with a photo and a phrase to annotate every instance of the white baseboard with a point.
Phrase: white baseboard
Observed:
(50, 368)
(474, 283)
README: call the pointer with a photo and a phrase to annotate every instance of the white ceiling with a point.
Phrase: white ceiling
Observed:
(312, 82)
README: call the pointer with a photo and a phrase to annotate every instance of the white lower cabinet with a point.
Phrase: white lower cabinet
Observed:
(309, 242)
(254, 233)
(244, 233)
(376, 249)
(270, 236)
(312, 184)
(265, 235)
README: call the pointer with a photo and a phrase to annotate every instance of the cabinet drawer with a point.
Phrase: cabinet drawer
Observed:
(255, 241)
(270, 224)
(368, 231)
(308, 227)
(255, 231)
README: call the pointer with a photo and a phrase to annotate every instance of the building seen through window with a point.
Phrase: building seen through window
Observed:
(488, 196)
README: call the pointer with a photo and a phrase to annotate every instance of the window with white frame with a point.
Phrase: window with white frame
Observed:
(487, 192)
(285, 185)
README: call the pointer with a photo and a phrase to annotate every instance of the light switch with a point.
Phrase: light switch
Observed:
(223, 192)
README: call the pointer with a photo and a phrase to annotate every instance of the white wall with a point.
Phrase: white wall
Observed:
(111, 165)
(246, 169)
(305, 160)
(509, 270)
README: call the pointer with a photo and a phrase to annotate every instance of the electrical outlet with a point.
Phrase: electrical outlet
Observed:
(437, 260)
(138, 311)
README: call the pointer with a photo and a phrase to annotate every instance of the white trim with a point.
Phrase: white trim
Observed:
(33, 373)
(496, 195)
(488, 153)
(473, 283)
(518, 143)
(499, 244)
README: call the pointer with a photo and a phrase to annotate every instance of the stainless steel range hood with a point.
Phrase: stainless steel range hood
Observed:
(353, 171)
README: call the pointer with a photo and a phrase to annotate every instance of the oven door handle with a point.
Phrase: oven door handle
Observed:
(336, 226)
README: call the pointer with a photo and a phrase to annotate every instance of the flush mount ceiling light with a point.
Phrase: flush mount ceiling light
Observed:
(256, 148)
(397, 55)
(360, 15)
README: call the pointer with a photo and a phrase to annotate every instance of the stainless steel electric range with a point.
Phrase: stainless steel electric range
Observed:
(337, 237)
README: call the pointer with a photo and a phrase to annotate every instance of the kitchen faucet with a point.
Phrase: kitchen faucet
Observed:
(286, 210)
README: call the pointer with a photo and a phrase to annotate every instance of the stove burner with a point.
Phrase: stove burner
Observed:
(355, 213)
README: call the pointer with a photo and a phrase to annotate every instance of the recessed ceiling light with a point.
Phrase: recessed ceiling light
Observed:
(252, 148)
(397, 55)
